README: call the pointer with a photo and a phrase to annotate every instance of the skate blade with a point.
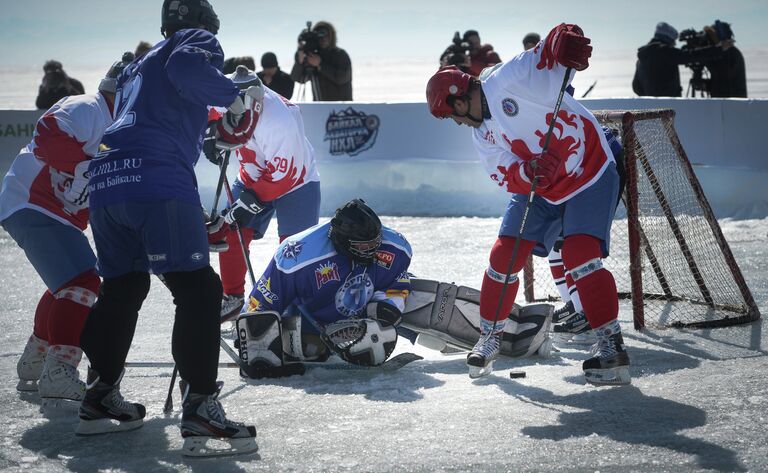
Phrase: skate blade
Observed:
(202, 447)
(609, 377)
(51, 407)
(565, 338)
(480, 371)
(106, 426)
(27, 385)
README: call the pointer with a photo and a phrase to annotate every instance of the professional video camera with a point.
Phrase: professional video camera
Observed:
(456, 54)
(693, 39)
(309, 41)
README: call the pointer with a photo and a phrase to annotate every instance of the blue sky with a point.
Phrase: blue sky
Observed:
(79, 32)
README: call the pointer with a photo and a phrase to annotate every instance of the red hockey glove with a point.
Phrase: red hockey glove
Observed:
(217, 233)
(570, 47)
(545, 166)
(237, 125)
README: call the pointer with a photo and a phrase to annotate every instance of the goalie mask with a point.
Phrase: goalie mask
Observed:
(180, 14)
(356, 231)
(109, 82)
(362, 342)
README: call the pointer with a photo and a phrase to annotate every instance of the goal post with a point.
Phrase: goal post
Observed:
(668, 254)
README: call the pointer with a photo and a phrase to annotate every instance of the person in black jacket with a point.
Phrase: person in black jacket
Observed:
(56, 85)
(273, 77)
(328, 68)
(657, 72)
(728, 75)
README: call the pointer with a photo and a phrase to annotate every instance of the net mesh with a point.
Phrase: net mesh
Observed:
(684, 273)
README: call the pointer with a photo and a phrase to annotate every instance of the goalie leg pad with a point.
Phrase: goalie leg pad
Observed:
(260, 344)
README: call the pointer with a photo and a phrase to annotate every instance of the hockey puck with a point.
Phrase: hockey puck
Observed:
(517, 374)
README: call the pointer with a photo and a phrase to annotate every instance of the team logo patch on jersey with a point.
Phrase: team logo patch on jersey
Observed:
(264, 287)
(326, 273)
(254, 305)
(510, 107)
(292, 250)
(197, 256)
(352, 296)
(351, 132)
(385, 259)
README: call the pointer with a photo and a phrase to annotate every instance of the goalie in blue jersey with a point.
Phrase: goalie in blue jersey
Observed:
(336, 288)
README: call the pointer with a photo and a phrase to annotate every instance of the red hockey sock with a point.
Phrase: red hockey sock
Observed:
(41, 316)
(71, 305)
(231, 263)
(596, 286)
(493, 279)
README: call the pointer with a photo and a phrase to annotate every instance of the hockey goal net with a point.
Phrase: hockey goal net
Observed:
(668, 253)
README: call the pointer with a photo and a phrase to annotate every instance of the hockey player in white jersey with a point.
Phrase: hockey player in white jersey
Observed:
(44, 207)
(510, 108)
(278, 177)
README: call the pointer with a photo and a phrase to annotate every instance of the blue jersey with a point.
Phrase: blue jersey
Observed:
(160, 116)
(307, 269)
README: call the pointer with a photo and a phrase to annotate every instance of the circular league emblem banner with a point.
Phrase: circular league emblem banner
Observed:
(351, 132)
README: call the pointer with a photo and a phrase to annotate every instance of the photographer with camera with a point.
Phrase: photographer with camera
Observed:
(326, 66)
(480, 55)
(657, 73)
(728, 76)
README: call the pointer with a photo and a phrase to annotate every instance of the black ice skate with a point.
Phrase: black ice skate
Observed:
(573, 327)
(610, 365)
(563, 313)
(486, 350)
(104, 410)
(207, 432)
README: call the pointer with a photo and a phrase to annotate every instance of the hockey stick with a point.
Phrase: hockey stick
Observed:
(531, 194)
(168, 407)
(231, 200)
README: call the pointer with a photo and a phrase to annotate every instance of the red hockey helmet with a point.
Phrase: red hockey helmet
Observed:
(447, 81)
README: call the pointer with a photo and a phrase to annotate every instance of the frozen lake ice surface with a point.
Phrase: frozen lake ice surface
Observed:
(697, 402)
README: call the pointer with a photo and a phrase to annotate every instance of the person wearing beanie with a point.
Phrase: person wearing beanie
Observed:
(657, 71)
(56, 84)
(273, 77)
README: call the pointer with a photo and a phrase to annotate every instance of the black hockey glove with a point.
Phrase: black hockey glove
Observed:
(243, 209)
(209, 144)
(384, 312)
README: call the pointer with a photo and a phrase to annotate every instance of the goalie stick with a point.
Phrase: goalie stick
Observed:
(393, 364)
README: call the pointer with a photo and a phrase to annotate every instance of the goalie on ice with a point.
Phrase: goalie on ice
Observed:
(343, 288)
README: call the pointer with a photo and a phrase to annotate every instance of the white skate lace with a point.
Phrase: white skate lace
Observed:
(215, 411)
(487, 345)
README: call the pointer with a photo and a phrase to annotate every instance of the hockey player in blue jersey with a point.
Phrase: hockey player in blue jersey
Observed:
(346, 279)
(146, 217)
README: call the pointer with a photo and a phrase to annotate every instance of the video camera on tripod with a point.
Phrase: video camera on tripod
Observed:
(692, 39)
(457, 53)
(309, 41)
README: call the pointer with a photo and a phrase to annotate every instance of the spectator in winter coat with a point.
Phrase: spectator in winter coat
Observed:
(481, 55)
(274, 78)
(328, 68)
(728, 76)
(56, 85)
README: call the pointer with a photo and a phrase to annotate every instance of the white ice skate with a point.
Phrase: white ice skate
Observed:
(30, 364)
(231, 305)
(60, 386)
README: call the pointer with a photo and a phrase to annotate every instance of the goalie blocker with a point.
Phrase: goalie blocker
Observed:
(273, 347)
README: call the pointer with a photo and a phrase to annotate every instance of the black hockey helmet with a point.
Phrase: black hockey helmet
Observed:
(109, 82)
(356, 231)
(180, 14)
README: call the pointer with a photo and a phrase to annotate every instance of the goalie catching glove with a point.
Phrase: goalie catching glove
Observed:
(364, 342)
(243, 209)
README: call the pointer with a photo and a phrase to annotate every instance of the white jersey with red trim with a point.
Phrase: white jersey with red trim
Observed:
(278, 158)
(521, 95)
(67, 134)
